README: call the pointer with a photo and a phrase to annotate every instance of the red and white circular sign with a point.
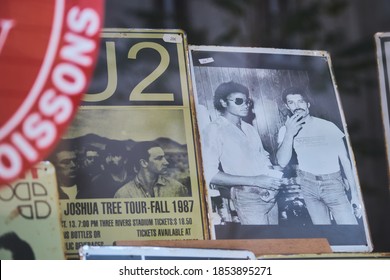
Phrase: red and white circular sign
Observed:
(48, 51)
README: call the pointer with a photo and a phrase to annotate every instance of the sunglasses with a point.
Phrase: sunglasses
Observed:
(240, 101)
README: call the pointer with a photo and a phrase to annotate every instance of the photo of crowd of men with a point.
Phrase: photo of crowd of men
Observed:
(93, 166)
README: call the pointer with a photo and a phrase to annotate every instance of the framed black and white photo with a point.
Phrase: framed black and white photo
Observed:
(277, 159)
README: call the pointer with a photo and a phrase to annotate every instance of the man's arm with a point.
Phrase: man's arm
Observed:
(350, 179)
(292, 126)
(211, 152)
(263, 181)
(284, 152)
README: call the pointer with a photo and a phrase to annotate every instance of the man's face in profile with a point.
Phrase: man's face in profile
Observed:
(157, 162)
(238, 104)
(67, 164)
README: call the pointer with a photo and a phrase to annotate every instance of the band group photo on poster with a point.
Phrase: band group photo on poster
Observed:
(274, 147)
(104, 158)
(125, 174)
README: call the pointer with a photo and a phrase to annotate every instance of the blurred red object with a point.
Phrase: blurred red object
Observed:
(48, 51)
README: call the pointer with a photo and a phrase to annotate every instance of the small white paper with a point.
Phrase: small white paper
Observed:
(206, 60)
(172, 38)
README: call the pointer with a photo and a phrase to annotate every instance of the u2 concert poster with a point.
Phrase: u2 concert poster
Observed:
(127, 167)
(276, 155)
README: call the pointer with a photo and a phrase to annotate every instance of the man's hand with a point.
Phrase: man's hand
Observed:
(347, 187)
(267, 182)
(267, 195)
(357, 207)
(294, 124)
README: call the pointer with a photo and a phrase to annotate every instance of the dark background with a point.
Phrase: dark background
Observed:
(344, 28)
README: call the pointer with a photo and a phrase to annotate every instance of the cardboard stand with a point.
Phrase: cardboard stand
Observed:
(259, 247)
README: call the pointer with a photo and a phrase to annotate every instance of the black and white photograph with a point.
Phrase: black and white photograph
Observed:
(275, 148)
(107, 157)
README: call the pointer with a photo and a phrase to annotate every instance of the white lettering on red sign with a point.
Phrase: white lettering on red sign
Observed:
(39, 130)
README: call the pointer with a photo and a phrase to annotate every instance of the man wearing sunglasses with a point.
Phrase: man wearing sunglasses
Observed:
(235, 159)
(321, 154)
